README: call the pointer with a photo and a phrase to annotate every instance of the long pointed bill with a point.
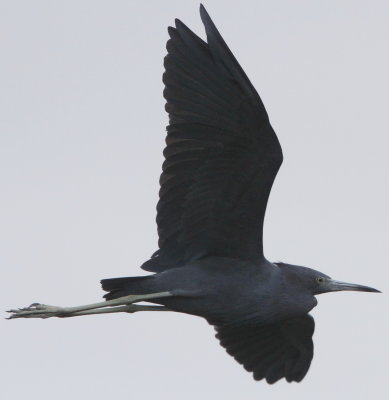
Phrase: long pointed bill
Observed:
(335, 286)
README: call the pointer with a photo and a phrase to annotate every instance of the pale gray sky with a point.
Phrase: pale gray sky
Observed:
(82, 130)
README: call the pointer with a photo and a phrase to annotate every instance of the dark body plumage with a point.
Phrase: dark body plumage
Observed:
(221, 159)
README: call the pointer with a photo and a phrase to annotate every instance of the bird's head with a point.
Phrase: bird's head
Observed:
(317, 282)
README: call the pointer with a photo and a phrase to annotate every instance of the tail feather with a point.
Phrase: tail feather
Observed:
(119, 287)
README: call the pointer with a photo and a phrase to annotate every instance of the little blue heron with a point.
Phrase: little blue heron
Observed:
(221, 159)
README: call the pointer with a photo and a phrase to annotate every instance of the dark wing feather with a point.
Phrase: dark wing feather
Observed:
(281, 350)
(221, 154)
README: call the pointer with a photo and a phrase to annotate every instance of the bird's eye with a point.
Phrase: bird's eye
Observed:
(320, 279)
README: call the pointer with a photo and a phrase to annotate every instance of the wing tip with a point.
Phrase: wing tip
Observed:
(207, 20)
(178, 22)
(203, 11)
(181, 27)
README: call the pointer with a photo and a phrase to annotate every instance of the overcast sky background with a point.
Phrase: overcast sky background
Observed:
(81, 136)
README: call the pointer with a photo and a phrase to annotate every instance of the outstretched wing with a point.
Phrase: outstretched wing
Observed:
(221, 154)
(282, 350)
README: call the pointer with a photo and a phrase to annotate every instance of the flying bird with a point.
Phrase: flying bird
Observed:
(221, 158)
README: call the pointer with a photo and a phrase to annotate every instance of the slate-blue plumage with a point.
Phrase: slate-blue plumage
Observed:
(221, 159)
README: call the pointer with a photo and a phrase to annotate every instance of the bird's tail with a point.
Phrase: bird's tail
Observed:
(119, 287)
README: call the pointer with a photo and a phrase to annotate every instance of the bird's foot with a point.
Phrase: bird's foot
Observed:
(36, 310)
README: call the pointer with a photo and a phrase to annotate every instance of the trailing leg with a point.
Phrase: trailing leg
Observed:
(37, 310)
